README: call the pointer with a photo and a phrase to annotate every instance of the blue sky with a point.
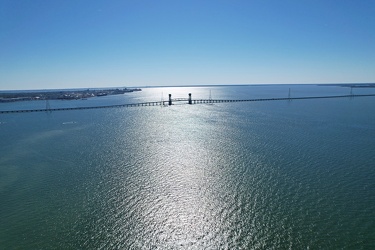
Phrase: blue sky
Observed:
(65, 44)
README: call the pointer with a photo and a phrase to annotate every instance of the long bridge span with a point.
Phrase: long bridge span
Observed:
(182, 101)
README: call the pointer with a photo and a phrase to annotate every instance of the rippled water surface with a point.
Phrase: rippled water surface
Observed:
(262, 175)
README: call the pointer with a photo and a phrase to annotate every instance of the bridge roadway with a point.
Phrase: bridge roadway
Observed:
(185, 100)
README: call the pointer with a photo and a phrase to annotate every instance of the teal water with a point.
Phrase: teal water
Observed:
(262, 175)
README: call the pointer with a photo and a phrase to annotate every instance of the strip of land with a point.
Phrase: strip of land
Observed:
(61, 94)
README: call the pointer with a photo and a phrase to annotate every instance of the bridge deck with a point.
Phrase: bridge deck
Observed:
(196, 101)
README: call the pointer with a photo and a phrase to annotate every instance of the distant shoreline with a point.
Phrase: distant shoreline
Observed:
(61, 94)
(357, 85)
(351, 85)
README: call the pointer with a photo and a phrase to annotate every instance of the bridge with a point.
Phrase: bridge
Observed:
(182, 101)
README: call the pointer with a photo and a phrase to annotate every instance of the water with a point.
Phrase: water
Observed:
(261, 175)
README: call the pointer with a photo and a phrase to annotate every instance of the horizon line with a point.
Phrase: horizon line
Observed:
(189, 85)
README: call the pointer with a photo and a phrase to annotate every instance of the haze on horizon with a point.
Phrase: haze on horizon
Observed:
(78, 44)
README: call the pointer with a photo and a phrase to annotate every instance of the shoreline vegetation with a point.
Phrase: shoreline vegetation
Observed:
(351, 85)
(62, 94)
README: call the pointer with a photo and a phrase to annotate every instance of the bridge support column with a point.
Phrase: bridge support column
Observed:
(170, 99)
(189, 101)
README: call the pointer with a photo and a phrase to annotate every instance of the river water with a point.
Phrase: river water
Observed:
(253, 175)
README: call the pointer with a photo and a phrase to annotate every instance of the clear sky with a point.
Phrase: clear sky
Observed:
(77, 43)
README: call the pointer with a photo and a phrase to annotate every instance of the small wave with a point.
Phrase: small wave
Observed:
(66, 123)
